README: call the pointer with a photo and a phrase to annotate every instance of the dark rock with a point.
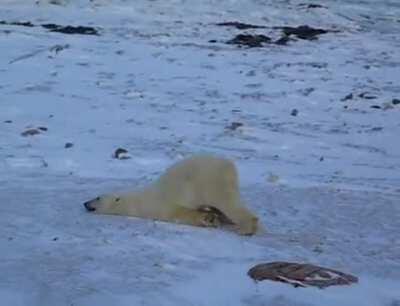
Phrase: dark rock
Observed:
(83, 30)
(42, 128)
(249, 40)
(282, 41)
(8, 121)
(376, 106)
(367, 96)
(300, 275)
(234, 125)
(68, 145)
(311, 5)
(121, 153)
(212, 41)
(294, 112)
(17, 23)
(30, 132)
(240, 25)
(303, 32)
(348, 97)
(396, 101)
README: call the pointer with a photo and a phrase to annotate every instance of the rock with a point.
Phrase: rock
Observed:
(367, 96)
(83, 30)
(282, 41)
(234, 125)
(17, 23)
(303, 32)
(396, 101)
(311, 5)
(68, 145)
(376, 106)
(294, 112)
(249, 40)
(121, 153)
(30, 132)
(348, 97)
(240, 25)
(300, 275)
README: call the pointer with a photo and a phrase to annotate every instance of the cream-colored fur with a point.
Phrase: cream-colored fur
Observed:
(182, 193)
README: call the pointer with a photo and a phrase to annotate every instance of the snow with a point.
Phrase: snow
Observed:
(325, 183)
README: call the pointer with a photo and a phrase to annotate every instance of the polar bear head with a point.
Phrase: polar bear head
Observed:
(106, 204)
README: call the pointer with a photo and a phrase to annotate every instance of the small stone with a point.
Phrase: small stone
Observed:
(234, 125)
(348, 97)
(250, 41)
(294, 112)
(68, 145)
(396, 101)
(30, 132)
(367, 96)
(42, 128)
(376, 106)
(121, 153)
(8, 121)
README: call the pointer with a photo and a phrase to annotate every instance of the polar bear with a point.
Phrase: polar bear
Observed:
(199, 191)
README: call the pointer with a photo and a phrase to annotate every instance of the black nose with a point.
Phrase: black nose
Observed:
(89, 206)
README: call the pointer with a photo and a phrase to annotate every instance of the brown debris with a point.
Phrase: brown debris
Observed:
(300, 275)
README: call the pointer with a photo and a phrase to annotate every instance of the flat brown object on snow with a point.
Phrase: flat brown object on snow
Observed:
(300, 275)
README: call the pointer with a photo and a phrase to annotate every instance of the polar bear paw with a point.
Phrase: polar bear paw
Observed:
(210, 219)
(248, 227)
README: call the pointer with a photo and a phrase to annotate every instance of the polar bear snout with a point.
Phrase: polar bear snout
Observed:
(89, 205)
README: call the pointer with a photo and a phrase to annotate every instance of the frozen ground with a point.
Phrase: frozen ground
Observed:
(325, 183)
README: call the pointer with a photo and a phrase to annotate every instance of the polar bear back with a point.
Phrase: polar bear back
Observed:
(201, 181)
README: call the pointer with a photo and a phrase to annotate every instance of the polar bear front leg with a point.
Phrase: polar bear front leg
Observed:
(246, 222)
(195, 217)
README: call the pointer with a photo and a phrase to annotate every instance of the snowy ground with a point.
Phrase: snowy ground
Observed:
(326, 183)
